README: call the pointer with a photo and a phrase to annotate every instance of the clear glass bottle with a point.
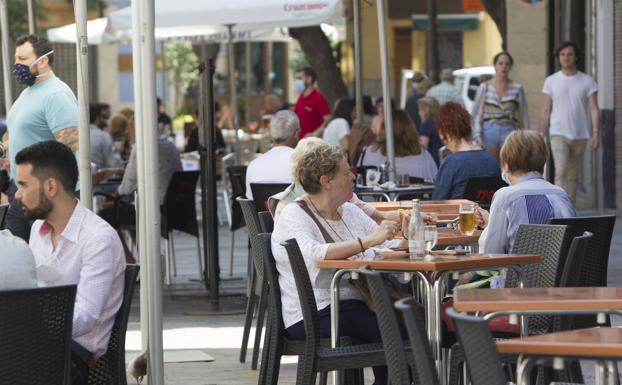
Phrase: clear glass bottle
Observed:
(416, 231)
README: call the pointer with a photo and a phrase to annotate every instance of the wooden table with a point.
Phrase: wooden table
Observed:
(449, 206)
(394, 194)
(450, 236)
(433, 284)
(601, 344)
(540, 301)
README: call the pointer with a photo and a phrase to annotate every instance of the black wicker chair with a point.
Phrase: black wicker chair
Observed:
(594, 270)
(482, 188)
(422, 358)
(35, 335)
(110, 369)
(179, 213)
(394, 347)
(571, 277)
(318, 359)
(575, 260)
(237, 178)
(480, 352)
(546, 240)
(595, 266)
(257, 299)
(263, 191)
(276, 343)
(266, 221)
(3, 210)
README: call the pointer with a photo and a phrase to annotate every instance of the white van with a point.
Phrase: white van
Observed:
(466, 80)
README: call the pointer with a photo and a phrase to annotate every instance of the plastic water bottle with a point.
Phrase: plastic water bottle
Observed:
(416, 241)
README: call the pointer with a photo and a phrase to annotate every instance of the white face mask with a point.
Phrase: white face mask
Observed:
(505, 178)
(299, 86)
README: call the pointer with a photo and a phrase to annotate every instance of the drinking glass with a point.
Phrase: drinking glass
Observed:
(403, 180)
(430, 236)
(466, 223)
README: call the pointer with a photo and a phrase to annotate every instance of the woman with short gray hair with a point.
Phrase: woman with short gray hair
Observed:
(327, 226)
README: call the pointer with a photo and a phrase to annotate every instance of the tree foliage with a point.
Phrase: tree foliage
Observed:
(18, 17)
(181, 63)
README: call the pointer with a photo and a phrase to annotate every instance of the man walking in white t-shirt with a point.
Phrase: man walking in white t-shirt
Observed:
(567, 94)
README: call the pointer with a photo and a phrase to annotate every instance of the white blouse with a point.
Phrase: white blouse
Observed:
(294, 222)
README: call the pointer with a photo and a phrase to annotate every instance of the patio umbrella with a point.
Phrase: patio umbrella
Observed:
(100, 33)
(235, 16)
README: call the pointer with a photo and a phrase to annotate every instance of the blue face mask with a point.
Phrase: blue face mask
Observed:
(22, 72)
(505, 178)
(299, 86)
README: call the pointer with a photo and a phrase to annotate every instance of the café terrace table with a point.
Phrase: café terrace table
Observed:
(393, 194)
(433, 275)
(540, 301)
(444, 209)
(602, 344)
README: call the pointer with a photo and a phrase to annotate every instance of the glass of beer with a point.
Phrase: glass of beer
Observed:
(466, 223)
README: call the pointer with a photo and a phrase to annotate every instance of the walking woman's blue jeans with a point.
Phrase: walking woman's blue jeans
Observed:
(494, 134)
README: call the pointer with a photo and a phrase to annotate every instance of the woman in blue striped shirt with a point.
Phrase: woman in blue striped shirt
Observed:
(500, 106)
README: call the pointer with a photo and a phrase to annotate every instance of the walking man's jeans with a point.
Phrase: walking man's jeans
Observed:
(567, 156)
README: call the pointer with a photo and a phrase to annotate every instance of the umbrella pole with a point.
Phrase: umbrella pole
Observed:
(148, 192)
(6, 56)
(386, 91)
(140, 218)
(232, 92)
(358, 62)
(208, 179)
(84, 137)
(32, 26)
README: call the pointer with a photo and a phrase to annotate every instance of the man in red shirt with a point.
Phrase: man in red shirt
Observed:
(312, 108)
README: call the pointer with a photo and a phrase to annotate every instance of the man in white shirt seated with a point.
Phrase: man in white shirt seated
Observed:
(17, 265)
(71, 245)
(275, 165)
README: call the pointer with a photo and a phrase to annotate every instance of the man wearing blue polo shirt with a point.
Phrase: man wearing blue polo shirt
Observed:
(46, 110)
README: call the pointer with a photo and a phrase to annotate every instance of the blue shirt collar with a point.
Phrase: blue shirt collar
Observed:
(529, 176)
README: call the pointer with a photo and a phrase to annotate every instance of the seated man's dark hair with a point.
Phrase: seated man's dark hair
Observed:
(51, 159)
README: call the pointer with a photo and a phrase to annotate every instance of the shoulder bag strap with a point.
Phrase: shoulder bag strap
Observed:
(303, 205)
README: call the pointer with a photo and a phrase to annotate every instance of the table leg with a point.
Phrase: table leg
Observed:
(426, 295)
(600, 377)
(334, 315)
(437, 296)
(524, 327)
(523, 369)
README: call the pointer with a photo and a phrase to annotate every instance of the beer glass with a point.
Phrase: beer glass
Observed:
(466, 224)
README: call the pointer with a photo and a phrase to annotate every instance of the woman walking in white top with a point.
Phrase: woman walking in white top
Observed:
(337, 131)
(500, 106)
